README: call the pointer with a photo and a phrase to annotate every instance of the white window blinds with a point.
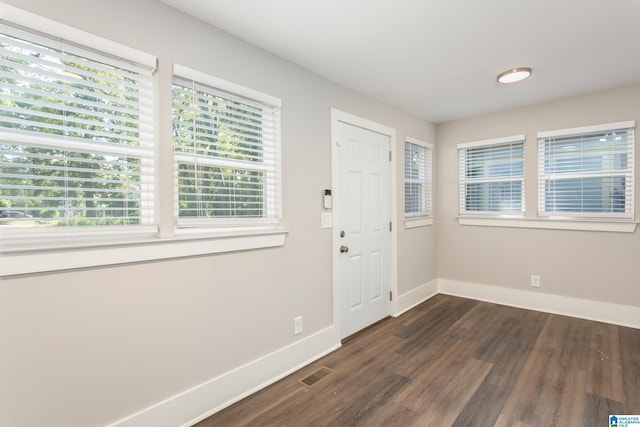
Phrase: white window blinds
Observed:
(76, 135)
(587, 172)
(226, 153)
(491, 176)
(417, 179)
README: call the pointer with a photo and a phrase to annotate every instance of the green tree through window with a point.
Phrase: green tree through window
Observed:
(76, 140)
(225, 154)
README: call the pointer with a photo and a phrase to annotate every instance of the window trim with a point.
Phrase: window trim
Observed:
(461, 183)
(186, 226)
(550, 224)
(98, 254)
(423, 218)
(68, 140)
(595, 217)
(35, 27)
(54, 28)
(98, 248)
(199, 76)
(418, 222)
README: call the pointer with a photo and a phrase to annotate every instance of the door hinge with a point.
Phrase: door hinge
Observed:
(390, 296)
(390, 155)
(390, 226)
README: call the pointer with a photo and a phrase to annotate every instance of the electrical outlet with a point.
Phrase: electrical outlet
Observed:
(297, 325)
(535, 281)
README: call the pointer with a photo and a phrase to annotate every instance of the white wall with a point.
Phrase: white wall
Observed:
(88, 348)
(591, 265)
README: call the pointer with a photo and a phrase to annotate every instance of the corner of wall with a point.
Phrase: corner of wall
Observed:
(599, 311)
(416, 296)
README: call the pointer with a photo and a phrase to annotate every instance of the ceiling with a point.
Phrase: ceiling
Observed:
(439, 59)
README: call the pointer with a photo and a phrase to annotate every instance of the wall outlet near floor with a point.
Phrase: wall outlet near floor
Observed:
(535, 280)
(297, 325)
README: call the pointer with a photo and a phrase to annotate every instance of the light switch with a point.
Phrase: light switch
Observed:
(326, 220)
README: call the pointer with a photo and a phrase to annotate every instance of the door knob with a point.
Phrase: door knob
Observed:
(344, 249)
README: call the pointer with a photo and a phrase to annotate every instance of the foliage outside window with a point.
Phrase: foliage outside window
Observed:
(417, 179)
(76, 142)
(226, 153)
(491, 177)
(587, 173)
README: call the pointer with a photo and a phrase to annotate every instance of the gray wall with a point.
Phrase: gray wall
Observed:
(89, 347)
(600, 266)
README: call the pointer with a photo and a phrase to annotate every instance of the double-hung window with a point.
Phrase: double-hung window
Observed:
(491, 177)
(587, 173)
(226, 153)
(417, 179)
(76, 137)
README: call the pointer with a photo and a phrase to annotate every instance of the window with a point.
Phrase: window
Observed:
(417, 179)
(587, 173)
(491, 177)
(78, 159)
(226, 153)
(76, 137)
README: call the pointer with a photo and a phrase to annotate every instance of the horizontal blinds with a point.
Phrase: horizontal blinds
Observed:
(227, 156)
(417, 182)
(87, 42)
(76, 135)
(491, 178)
(587, 174)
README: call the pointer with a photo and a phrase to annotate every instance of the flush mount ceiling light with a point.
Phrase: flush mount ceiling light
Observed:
(514, 75)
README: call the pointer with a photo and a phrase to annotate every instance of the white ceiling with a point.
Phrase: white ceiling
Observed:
(439, 59)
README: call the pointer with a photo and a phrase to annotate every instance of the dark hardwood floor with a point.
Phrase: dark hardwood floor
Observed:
(458, 362)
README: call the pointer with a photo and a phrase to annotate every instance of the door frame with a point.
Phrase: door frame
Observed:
(338, 116)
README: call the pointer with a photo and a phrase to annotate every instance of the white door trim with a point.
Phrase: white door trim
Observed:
(341, 116)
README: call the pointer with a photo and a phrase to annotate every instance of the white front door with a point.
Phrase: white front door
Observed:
(364, 219)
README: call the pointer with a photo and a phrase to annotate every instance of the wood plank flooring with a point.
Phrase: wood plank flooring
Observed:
(458, 362)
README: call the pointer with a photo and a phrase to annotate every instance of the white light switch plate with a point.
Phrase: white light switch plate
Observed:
(326, 220)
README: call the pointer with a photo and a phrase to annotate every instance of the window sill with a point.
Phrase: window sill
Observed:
(550, 224)
(39, 260)
(418, 222)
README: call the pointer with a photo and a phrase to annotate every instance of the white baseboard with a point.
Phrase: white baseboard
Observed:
(616, 314)
(194, 405)
(198, 403)
(416, 296)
